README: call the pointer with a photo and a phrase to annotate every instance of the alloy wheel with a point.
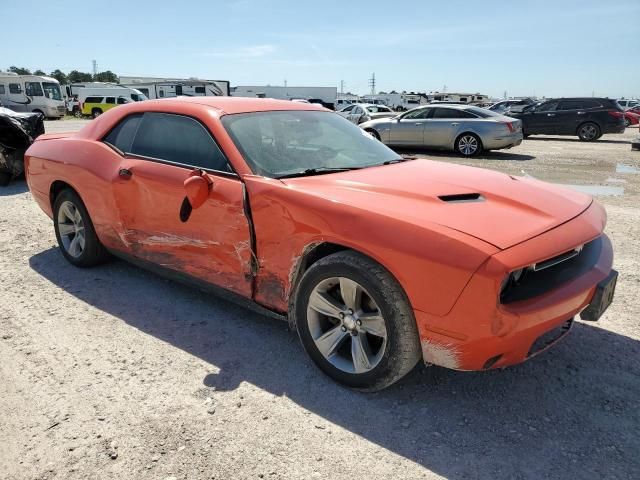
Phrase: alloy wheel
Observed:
(347, 325)
(589, 132)
(468, 145)
(71, 229)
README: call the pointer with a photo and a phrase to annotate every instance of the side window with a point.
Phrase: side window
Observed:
(178, 139)
(451, 113)
(122, 135)
(15, 88)
(547, 107)
(348, 109)
(33, 89)
(93, 100)
(2, 90)
(122, 101)
(356, 111)
(111, 100)
(419, 113)
(200, 90)
(591, 104)
(571, 105)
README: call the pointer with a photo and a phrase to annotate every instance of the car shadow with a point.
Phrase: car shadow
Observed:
(16, 187)
(572, 139)
(490, 155)
(570, 413)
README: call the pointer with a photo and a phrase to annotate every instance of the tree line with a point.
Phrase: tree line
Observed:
(74, 76)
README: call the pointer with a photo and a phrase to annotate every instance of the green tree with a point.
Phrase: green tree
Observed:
(76, 76)
(19, 70)
(107, 76)
(39, 72)
(60, 76)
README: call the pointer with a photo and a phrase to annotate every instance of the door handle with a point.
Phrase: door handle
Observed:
(419, 123)
(125, 173)
(581, 113)
(551, 114)
(455, 124)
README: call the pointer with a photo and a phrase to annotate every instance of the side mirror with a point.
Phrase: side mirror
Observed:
(197, 189)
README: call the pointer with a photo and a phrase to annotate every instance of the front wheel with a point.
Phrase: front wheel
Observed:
(588, 132)
(76, 236)
(96, 112)
(355, 322)
(468, 145)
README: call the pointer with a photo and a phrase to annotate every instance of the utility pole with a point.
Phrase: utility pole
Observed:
(372, 83)
(504, 95)
(95, 67)
(341, 87)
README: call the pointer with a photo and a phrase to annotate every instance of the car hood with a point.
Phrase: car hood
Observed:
(499, 209)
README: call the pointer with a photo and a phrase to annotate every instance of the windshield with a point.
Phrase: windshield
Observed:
(283, 142)
(52, 90)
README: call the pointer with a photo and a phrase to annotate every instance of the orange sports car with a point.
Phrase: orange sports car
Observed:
(376, 259)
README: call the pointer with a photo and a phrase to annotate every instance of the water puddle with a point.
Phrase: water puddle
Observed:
(622, 168)
(597, 190)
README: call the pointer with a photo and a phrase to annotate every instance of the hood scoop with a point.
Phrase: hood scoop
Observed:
(462, 198)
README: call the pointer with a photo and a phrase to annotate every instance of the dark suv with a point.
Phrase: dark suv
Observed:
(588, 118)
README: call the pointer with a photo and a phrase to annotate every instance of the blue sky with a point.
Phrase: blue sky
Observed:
(551, 48)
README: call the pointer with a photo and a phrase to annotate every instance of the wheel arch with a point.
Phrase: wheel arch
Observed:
(468, 132)
(58, 186)
(581, 124)
(314, 252)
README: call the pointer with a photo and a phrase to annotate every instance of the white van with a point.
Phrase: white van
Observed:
(90, 89)
(32, 93)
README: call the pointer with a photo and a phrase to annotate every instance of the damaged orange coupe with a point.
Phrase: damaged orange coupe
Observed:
(377, 260)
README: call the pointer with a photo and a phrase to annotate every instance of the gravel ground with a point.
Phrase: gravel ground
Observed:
(116, 373)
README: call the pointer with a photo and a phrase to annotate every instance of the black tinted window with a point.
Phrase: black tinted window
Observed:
(417, 113)
(199, 90)
(122, 101)
(33, 89)
(451, 113)
(111, 100)
(122, 135)
(547, 107)
(591, 104)
(571, 105)
(93, 100)
(178, 139)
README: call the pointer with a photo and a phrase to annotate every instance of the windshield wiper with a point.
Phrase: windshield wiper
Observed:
(404, 158)
(317, 171)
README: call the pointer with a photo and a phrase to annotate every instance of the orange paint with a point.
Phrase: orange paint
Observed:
(450, 259)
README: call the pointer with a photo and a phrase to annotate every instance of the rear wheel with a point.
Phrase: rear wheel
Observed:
(74, 231)
(588, 132)
(627, 123)
(468, 145)
(96, 112)
(373, 133)
(355, 322)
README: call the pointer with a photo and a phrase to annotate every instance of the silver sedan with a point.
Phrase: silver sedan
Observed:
(466, 129)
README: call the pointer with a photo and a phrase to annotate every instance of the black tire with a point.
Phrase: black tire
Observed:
(96, 112)
(627, 123)
(588, 132)
(402, 349)
(375, 134)
(77, 113)
(94, 252)
(461, 148)
(5, 179)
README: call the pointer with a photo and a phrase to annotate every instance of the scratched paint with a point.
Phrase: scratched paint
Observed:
(440, 354)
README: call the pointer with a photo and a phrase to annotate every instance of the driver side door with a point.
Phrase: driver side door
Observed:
(210, 243)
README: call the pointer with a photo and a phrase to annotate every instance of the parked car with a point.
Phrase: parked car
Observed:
(17, 132)
(340, 103)
(588, 118)
(464, 128)
(271, 202)
(630, 118)
(363, 112)
(635, 109)
(628, 103)
(506, 105)
(96, 106)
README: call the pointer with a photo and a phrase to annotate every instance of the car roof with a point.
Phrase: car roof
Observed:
(231, 105)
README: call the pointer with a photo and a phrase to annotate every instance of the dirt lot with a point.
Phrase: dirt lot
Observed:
(115, 373)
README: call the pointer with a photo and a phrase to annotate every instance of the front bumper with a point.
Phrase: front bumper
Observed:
(480, 332)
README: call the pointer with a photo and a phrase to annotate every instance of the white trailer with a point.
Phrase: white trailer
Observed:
(325, 95)
(471, 98)
(32, 93)
(397, 101)
(155, 87)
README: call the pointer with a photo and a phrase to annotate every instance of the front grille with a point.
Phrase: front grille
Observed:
(553, 272)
